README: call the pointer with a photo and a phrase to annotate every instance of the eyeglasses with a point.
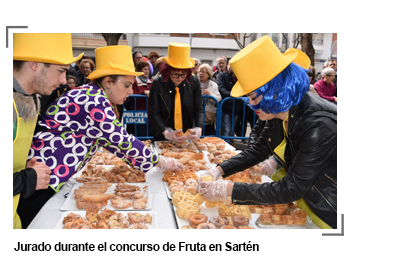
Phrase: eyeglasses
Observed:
(176, 75)
(331, 75)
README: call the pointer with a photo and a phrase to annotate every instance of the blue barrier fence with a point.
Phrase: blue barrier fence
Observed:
(140, 117)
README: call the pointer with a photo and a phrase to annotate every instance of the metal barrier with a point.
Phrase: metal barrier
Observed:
(138, 117)
(232, 130)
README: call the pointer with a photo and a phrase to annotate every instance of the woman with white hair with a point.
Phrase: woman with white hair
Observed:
(208, 87)
(325, 87)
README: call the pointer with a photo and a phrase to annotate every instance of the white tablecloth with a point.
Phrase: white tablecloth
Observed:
(50, 213)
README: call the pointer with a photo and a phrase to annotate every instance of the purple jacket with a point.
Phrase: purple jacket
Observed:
(77, 124)
(325, 91)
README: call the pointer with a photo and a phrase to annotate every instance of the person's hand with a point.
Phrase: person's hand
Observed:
(194, 133)
(206, 92)
(147, 92)
(215, 173)
(267, 167)
(42, 173)
(173, 135)
(335, 99)
(214, 191)
(167, 163)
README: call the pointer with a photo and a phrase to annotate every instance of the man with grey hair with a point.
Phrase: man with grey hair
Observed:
(222, 63)
(325, 87)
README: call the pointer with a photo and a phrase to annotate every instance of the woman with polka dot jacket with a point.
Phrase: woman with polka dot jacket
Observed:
(77, 124)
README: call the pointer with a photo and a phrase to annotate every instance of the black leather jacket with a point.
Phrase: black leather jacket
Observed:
(310, 155)
(161, 102)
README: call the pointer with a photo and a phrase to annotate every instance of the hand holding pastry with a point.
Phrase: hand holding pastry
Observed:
(173, 135)
(268, 167)
(216, 190)
(194, 133)
(167, 163)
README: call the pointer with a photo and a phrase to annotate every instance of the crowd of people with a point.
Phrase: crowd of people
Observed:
(81, 109)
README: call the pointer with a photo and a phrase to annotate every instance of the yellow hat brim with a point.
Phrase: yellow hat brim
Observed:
(111, 71)
(46, 60)
(302, 59)
(238, 91)
(180, 65)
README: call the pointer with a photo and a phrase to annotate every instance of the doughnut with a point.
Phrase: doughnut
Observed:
(240, 220)
(176, 183)
(197, 219)
(190, 183)
(139, 194)
(206, 226)
(186, 227)
(191, 190)
(219, 222)
(228, 227)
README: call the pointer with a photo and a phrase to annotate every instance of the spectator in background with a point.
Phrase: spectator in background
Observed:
(74, 69)
(319, 74)
(208, 87)
(141, 85)
(137, 56)
(225, 82)
(311, 77)
(86, 67)
(71, 81)
(325, 87)
(195, 69)
(222, 63)
(152, 57)
(159, 63)
(333, 65)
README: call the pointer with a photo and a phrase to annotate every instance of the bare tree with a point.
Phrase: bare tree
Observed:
(111, 38)
(307, 46)
(236, 36)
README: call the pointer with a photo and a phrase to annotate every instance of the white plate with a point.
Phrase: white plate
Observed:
(70, 203)
(210, 213)
(153, 225)
(309, 224)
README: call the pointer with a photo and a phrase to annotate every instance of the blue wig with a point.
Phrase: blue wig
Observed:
(283, 91)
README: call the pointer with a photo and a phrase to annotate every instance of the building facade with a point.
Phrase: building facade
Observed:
(207, 46)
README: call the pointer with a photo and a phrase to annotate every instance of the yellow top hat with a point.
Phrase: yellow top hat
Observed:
(54, 48)
(179, 56)
(302, 59)
(113, 60)
(257, 64)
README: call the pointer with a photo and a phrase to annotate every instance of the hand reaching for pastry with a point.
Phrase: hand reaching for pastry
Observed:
(268, 167)
(215, 191)
(167, 163)
(174, 135)
(194, 133)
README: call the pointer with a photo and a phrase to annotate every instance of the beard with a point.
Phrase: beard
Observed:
(40, 83)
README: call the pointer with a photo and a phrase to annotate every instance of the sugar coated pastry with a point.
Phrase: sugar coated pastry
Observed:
(206, 226)
(195, 220)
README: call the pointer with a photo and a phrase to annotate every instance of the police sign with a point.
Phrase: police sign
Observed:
(135, 117)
